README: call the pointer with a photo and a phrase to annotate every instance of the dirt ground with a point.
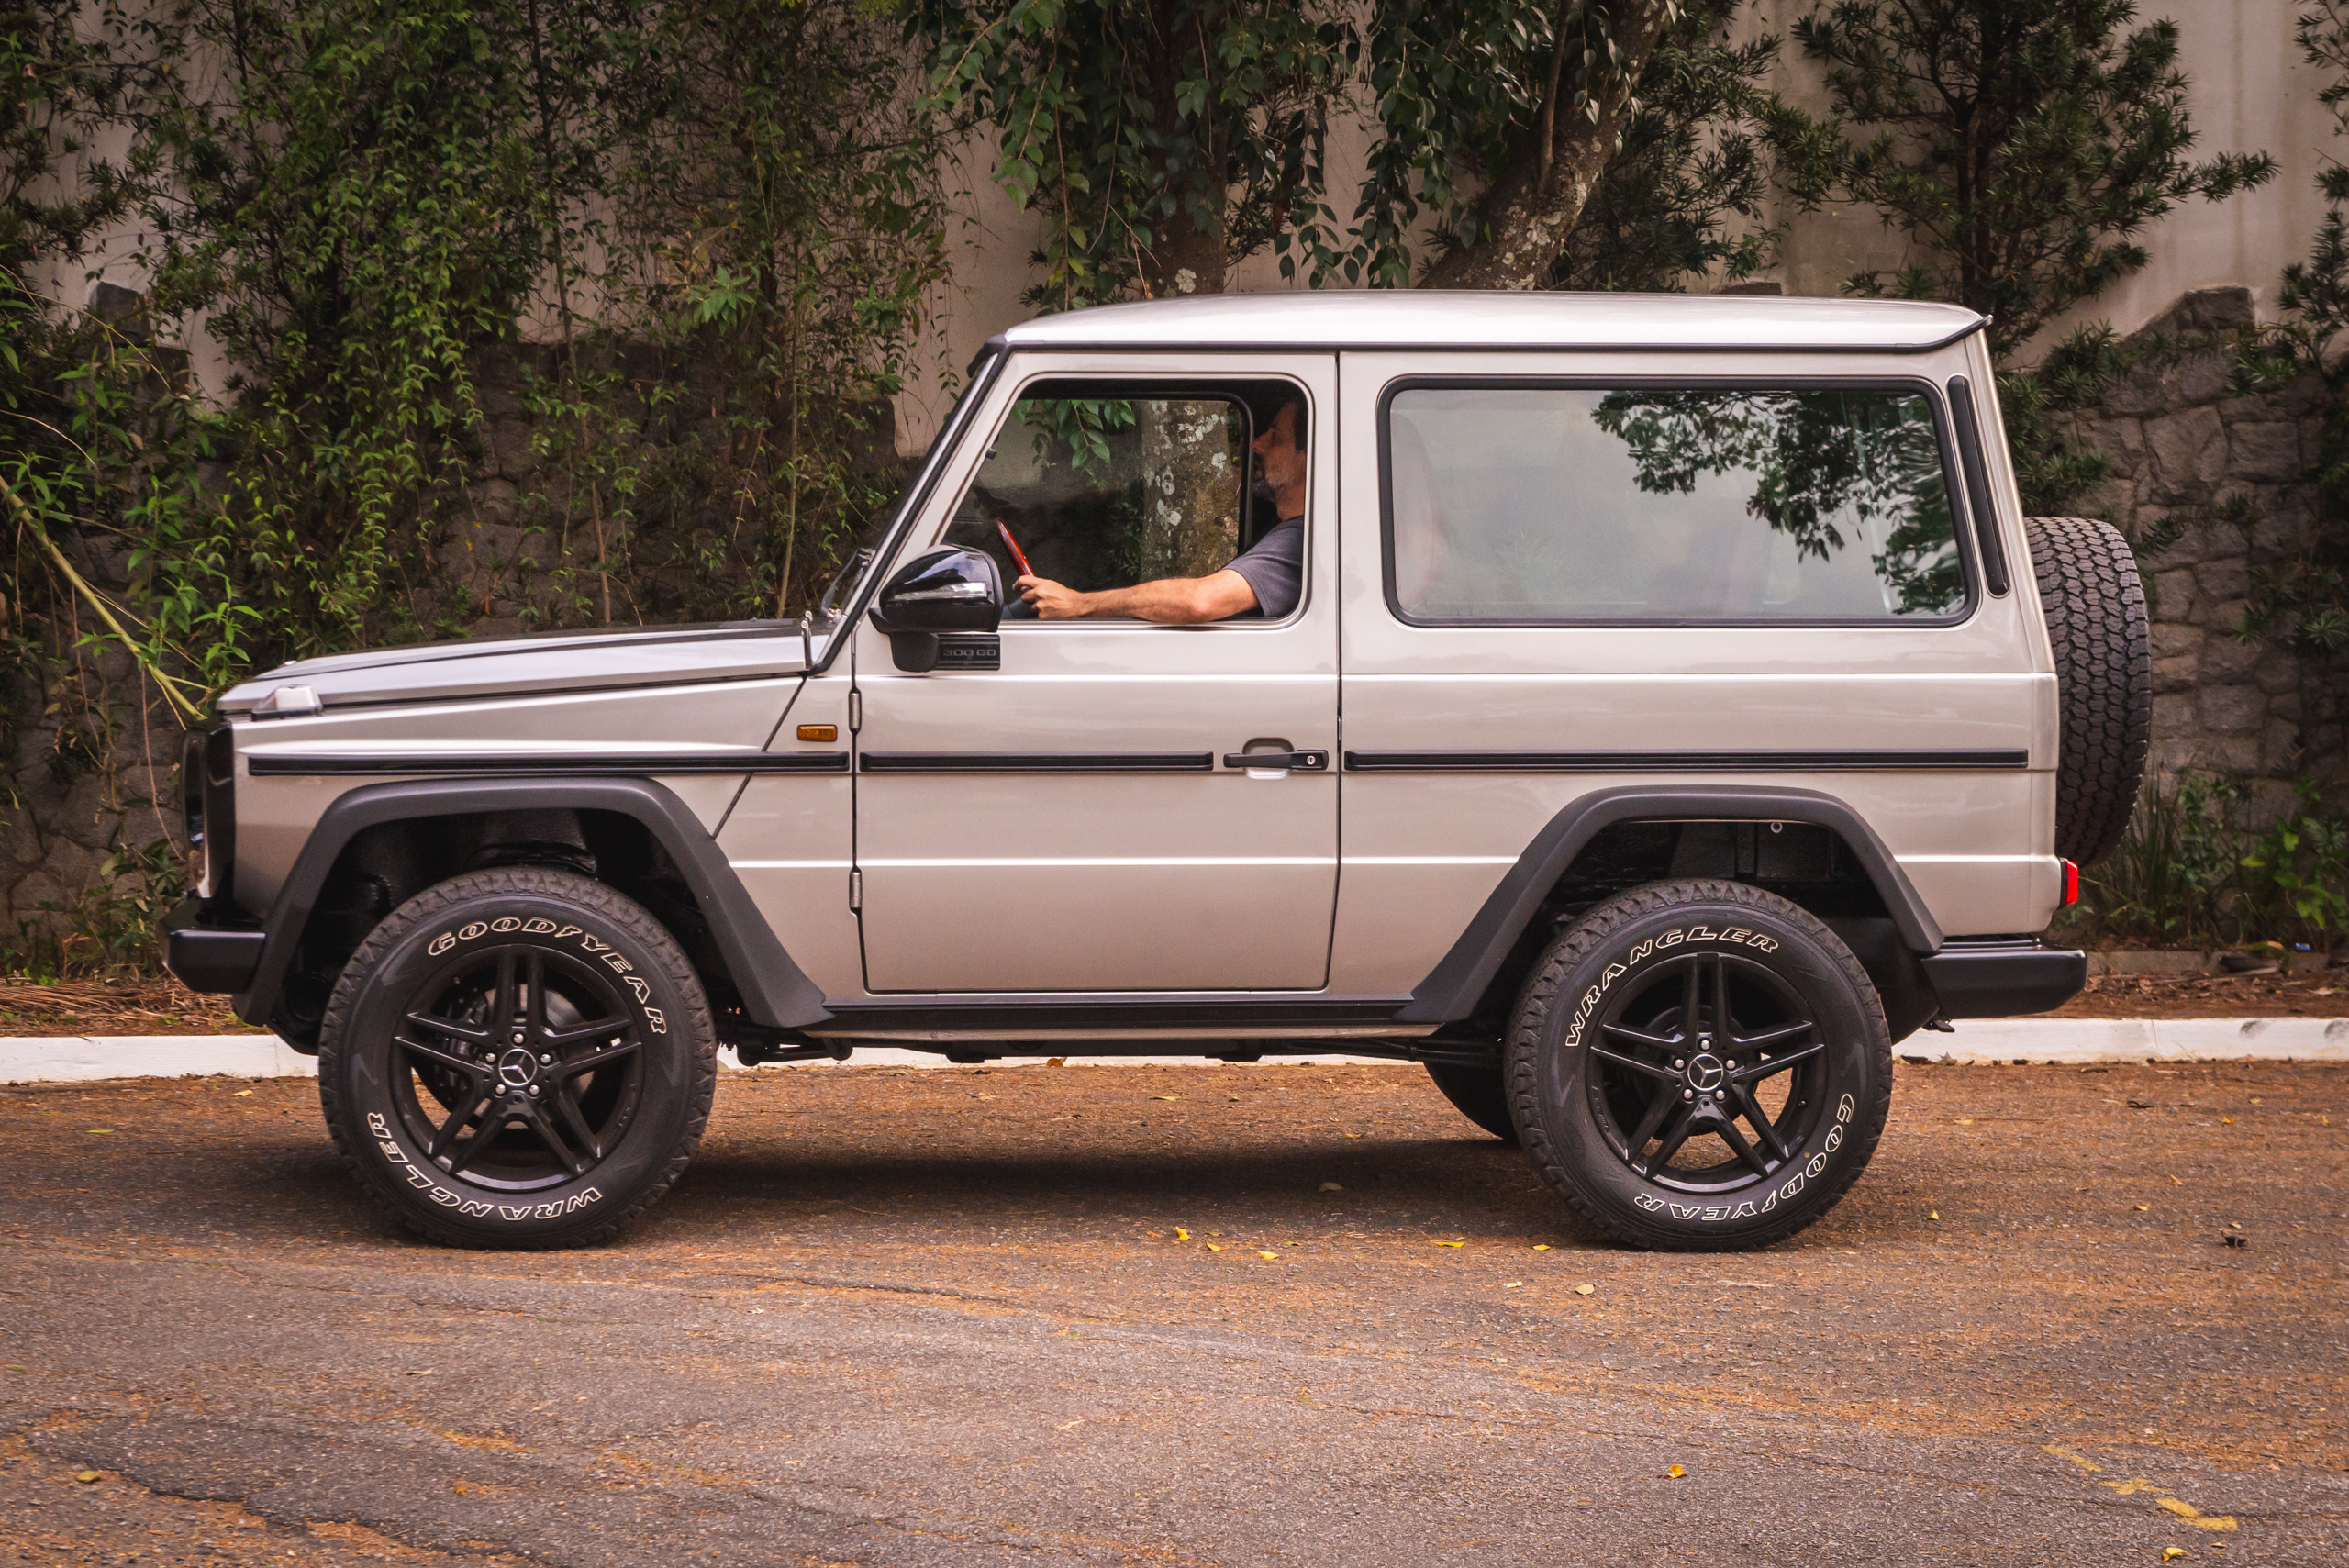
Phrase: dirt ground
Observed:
(114, 1007)
(1204, 1315)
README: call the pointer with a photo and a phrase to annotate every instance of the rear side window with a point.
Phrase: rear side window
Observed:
(1543, 504)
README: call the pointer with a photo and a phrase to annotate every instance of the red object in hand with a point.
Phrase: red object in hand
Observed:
(1017, 553)
(2071, 883)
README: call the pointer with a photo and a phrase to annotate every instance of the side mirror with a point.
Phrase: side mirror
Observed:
(944, 590)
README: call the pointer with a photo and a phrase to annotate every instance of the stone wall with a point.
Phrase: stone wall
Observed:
(2221, 470)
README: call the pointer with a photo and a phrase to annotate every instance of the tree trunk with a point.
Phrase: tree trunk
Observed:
(1531, 219)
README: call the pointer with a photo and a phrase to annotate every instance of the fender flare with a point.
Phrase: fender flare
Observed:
(775, 992)
(1458, 982)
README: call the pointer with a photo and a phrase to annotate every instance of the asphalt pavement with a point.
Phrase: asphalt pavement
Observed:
(1197, 1315)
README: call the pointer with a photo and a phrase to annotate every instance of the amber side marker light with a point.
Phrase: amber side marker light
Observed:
(2071, 878)
(832, 732)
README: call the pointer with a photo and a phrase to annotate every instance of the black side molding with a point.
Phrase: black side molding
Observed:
(2001, 977)
(1680, 761)
(1457, 983)
(1036, 762)
(1977, 486)
(775, 993)
(215, 957)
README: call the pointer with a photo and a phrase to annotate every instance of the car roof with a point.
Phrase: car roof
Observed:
(1429, 318)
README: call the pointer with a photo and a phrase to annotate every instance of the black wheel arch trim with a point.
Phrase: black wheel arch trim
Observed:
(1458, 982)
(775, 993)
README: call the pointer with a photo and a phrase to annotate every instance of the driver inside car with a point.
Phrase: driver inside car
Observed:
(1266, 577)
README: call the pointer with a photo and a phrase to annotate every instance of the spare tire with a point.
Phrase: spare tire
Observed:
(2094, 605)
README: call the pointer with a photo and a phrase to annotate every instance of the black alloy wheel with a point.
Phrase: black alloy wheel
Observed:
(533, 1060)
(1707, 1074)
(1699, 1066)
(519, 1057)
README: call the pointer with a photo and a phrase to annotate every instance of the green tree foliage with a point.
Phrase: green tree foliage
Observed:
(2022, 145)
(1681, 181)
(680, 245)
(2303, 601)
(1594, 143)
(1166, 139)
(1683, 195)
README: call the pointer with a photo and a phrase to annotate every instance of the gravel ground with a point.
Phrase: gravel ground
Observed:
(1043, 1316)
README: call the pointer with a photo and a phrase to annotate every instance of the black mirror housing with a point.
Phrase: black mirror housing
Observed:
(949, 589)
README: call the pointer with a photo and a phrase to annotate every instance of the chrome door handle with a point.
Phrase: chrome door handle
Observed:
(1292, 762)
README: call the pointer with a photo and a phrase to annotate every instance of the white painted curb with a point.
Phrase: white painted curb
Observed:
(2135, 1040)
(86, 1058)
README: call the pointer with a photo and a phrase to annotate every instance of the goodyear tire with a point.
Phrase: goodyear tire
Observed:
(1480, 1094)
(517, 1058)
(1699, 1066)
(2094, 605)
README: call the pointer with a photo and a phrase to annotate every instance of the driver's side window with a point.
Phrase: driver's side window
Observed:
(1105, 492)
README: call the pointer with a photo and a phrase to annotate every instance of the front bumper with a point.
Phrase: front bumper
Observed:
(2003, 977)
(210, 953)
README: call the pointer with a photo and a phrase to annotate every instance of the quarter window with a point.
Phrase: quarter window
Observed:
(1538, 504)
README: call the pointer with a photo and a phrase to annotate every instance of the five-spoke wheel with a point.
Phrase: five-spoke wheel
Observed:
(1699, 1065)
(518, 1057)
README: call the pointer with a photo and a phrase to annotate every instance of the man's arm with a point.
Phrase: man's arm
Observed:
(1173, 601)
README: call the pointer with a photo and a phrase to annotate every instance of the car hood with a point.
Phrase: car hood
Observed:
(549, 662)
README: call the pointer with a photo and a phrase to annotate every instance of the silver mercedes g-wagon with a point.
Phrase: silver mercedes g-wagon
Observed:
(1643, 711)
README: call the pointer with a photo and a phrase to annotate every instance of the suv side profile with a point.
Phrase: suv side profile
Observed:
(1675, 711)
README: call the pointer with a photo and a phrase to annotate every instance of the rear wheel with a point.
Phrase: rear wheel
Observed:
(517, 1058)
(1480, 1094)
(1699, 1066)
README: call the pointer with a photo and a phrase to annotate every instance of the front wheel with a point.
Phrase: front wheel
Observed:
(1699, 1066)
(517, 1058)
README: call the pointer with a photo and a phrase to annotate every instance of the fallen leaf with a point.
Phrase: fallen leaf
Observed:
(2227, 1120)
(242, 1095)
(1541, 1246)
(1514, 1284)
(1674, 1472)
(98, 1130)
(1056, 1062)
(1452, 1243)
(2143, 1207)
(1165, 1096)
(1331, 1188)
(1353, 1135)
(1584, 1289)
(86, 1476)
(1180, 1234)
(2171, 1553)
(1966, 1121)
(1933, 1214)
(1213, 1248)
(1275, 1256)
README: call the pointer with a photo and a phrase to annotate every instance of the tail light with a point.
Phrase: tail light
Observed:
(2071, 883)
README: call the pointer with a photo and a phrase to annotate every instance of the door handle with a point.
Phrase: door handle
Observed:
(1296, 761)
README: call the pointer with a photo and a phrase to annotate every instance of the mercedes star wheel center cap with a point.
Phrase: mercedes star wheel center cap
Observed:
(518, 1067)
(1705, 1073)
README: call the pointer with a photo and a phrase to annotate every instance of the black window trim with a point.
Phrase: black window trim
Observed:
(1970, 565)
(1168, 383)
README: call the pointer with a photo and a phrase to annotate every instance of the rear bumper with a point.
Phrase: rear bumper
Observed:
(208, 954)
(2003, 977)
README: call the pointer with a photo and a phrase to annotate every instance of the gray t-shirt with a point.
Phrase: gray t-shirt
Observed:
(1275, 568)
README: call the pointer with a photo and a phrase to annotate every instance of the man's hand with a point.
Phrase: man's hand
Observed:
(1173, 601)
(1052, 601)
